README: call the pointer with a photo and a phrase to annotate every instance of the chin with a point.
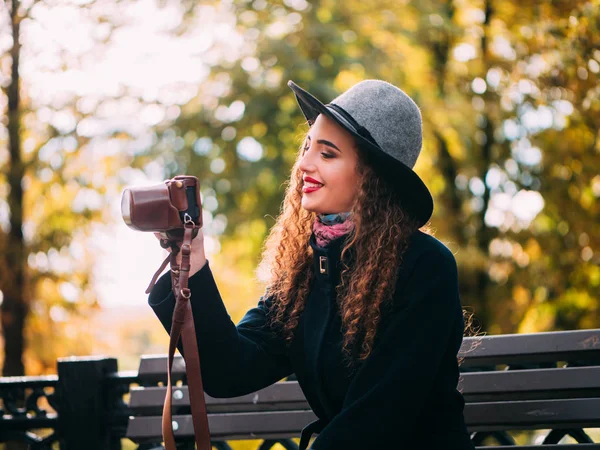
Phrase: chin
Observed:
(311, 208)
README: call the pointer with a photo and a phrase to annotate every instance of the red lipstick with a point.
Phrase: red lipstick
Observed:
(307, 189)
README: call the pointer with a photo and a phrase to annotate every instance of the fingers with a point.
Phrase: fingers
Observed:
(197, 241)
(163, 243)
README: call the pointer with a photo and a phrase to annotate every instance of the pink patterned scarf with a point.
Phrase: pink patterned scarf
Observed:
(331, 226)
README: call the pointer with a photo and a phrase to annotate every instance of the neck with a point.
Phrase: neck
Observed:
(328, 227)
(333, 218)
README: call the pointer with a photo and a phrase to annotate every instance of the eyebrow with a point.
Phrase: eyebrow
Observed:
(329, 144)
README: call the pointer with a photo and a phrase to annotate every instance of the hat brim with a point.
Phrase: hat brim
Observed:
(417, 200)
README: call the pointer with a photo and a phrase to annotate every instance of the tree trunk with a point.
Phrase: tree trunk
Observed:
(14, 309)
(14, 306)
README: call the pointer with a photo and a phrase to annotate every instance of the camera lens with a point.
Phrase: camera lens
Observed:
(126, 206)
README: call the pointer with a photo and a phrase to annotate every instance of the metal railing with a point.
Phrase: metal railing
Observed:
(84, 406)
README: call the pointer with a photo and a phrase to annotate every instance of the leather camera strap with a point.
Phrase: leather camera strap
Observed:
(183, 326)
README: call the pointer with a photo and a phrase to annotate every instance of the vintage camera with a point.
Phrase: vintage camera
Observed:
(164, 208)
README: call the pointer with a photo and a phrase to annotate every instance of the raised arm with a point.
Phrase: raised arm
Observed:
(235, 360)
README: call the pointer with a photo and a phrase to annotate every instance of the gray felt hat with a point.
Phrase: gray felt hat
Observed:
(387, 124)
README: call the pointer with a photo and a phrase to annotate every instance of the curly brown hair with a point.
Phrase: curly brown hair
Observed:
(378, 242)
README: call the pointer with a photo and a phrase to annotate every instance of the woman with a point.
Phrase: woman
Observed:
(361, 304)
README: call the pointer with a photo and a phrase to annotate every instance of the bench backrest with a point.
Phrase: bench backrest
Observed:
(526, 381)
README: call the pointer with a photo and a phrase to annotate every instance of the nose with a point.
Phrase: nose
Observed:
(307, 163)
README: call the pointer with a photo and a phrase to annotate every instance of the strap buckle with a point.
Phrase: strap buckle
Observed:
(187, 219)
(323, 263)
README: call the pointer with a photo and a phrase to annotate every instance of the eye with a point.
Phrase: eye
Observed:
(327, 155)
(306, 145)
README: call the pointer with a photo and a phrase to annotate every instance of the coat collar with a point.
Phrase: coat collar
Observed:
(327, 260)
(329, 269)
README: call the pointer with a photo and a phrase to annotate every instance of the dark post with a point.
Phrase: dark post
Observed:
(83, 402)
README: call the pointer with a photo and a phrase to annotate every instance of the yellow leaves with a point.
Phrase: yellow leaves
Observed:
(578, 304)
(326, 60)
(563, 227)
(234, 268)
(573, 191)
(324, 15)
(573, 304)
(521, 295)
(521, 301)
(538, 318)
(587, 199)
(594, 276)
(287, 103)
(519, 255)
(54, 331)
(247, 201)
(46, 288)
(251, 445)
(259, 129)
(456, 148)
(472, 258)
(540, 294)
(267, 181)
(437, 184)
(575, 140)
(576, 166)
(578, 300)
(347, 78)
(533, 249)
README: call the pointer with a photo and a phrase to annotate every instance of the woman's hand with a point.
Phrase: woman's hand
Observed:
(198, 257)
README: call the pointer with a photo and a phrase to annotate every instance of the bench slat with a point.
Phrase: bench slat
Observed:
(265, 425)
(548, 446)
(153, 368)
(530, 348)
(533, 384)
(488, 350)
(537, 414)
(551, 414)
(281, 396)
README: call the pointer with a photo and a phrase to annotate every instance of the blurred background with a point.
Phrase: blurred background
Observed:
(99, 95)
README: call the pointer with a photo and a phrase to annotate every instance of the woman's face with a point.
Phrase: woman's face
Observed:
(329, 157)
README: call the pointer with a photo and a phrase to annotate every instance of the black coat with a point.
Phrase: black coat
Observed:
(403, 396)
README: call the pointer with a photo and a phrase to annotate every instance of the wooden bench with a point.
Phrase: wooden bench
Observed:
(542, 381)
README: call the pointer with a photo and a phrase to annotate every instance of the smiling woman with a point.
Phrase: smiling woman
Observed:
(362, 302)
